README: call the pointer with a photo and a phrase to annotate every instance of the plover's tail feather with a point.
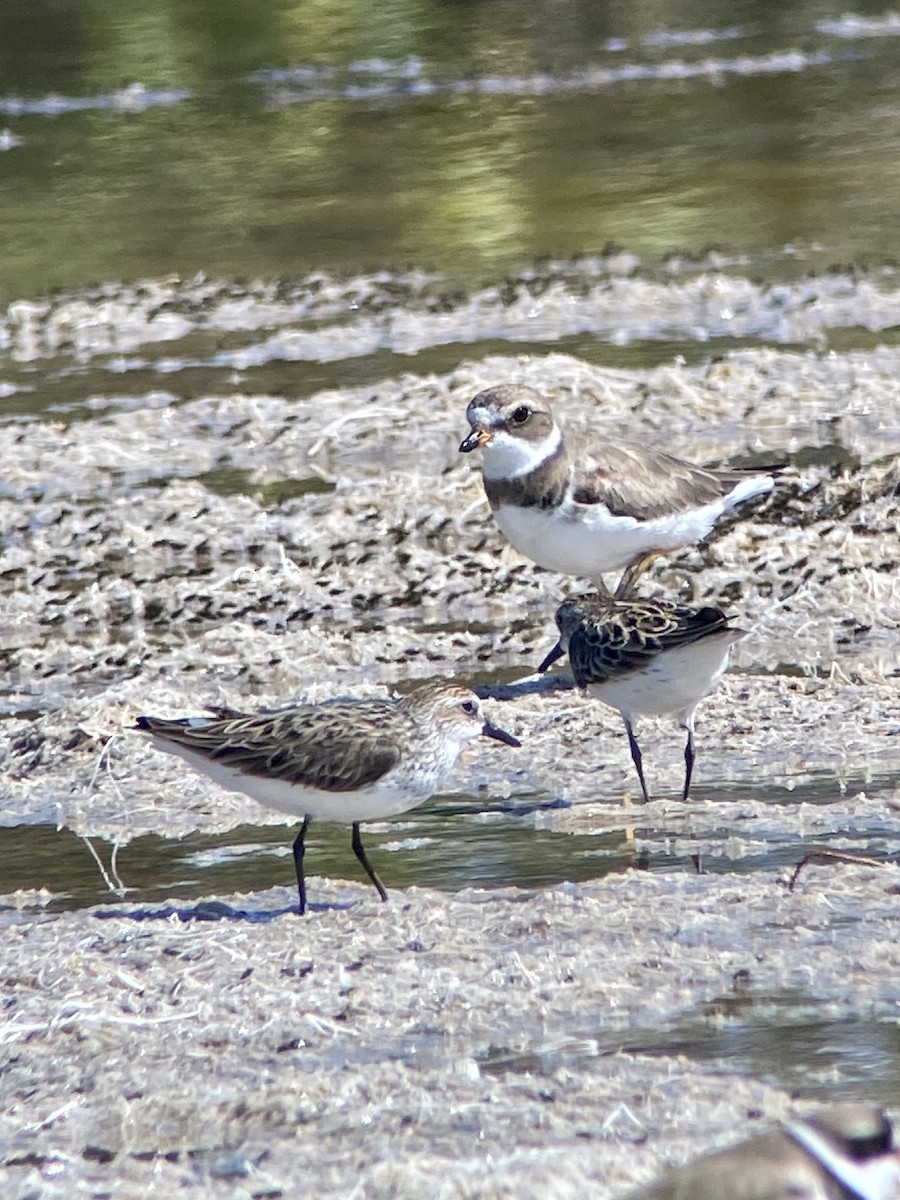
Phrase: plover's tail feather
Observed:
(747, 485)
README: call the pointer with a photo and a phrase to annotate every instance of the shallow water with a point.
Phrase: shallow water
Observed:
(787, 1038)
(465, 140)
(779, 1038)
(453, 841)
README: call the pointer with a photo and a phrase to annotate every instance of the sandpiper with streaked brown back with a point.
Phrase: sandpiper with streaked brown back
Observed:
(645, 658)
(342, 760)
(588, 508)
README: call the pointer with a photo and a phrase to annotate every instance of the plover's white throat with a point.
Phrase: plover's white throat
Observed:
(645, 658)
(588, 509)
(845, 1152)
(343, 760)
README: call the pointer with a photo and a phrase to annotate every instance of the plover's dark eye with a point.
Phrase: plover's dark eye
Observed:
(470, 707)
(520, 415)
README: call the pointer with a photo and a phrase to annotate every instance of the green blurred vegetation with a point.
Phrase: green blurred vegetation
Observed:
(231, 182)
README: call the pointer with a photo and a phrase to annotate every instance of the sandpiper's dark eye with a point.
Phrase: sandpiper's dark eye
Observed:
(520, 415)
(470, 707)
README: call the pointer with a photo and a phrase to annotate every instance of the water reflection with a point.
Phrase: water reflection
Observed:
(778, 1038)
(333, 137)
(452, 843)
(459, 137)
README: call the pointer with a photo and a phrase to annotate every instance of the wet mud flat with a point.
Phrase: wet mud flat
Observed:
(244, 549)
(130, 584)
(499, 1043)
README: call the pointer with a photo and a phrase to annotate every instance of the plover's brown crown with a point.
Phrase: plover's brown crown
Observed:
(630, 479)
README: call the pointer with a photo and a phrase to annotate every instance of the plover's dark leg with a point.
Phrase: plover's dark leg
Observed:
(636, 758)
(299, 850)
(688, 762)
(603, 592)
(361, 855)
(632, 573)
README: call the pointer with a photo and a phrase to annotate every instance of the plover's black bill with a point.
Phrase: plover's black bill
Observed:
(556, 653)
(499, 735)
(475, 439)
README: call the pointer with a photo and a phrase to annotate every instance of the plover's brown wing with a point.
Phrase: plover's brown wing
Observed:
(646, 483)
(615, 638)
(338, 747)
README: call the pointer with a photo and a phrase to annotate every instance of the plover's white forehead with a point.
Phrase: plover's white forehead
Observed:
(483, 416)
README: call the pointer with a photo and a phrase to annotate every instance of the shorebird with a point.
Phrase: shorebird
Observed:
(586, 508)
(846, 1152)
(342, 760)
(645, 658)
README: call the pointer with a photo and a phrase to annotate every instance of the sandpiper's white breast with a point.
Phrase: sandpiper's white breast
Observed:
(673, 683)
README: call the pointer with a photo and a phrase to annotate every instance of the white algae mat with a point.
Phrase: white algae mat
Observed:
(474, 1045)
(482, 1043)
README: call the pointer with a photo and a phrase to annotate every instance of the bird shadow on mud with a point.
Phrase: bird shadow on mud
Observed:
(213, 910)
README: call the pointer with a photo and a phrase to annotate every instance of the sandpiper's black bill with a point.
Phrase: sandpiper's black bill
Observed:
(556, 653)
(499, 735)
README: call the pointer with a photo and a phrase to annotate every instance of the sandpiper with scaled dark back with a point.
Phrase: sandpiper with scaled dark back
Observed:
(645, 658)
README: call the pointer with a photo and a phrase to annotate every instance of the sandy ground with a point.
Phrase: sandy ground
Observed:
(475, 1044)
(480, 1044)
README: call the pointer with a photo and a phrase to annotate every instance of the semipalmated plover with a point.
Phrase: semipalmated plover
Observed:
(592, 508)
(645, 658)
(846, 1152)
(342, 760)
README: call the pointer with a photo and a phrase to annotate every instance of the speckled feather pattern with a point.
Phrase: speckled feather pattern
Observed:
(609, 638)
(337, 746)
(343, 760)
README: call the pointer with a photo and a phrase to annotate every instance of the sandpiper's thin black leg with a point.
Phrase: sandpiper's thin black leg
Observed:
(636, 758)
(361, 855)
(299, 851)
(688, 763)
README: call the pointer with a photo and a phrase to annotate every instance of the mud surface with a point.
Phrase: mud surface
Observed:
(482, 1044)
(131, 585)
(233, 479)
(163, 553)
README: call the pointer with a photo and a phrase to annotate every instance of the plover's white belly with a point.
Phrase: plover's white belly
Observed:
(386, 798)
(589, 540)
(672, 683)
